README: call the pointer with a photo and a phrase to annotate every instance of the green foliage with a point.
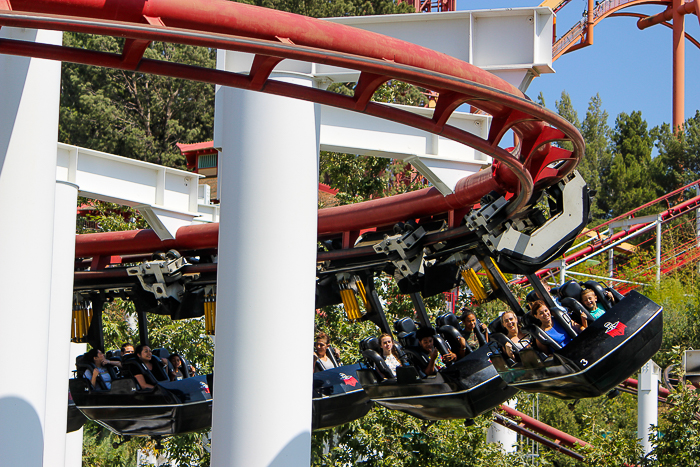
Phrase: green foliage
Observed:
(327, 9)
(630, 183)
(596, 162)
(135, 115)
(676, 439)
(387, 438)
(98, 450)
(678, 161)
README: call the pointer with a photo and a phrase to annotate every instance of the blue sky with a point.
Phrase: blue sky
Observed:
(629, 68)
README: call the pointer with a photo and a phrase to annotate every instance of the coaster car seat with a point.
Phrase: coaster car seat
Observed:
(371, 351)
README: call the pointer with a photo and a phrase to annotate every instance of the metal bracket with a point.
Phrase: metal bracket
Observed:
(163, 278)
(408, 246)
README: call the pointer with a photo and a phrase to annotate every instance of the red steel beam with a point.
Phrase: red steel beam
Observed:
(518, 428)
(274, 36)
(542, 428)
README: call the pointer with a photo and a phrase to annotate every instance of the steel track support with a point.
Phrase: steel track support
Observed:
(266, 275)
(29, 104)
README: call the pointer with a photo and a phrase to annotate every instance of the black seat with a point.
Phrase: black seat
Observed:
(371, 351)
(570, 298)
(570, 289)
(82, 364)
(600, 294)
(406, 332)
(132, 366)
(448, 327)
(531, 296)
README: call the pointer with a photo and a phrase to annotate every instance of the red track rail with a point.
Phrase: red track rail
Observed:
(274, 36)
(667, 215)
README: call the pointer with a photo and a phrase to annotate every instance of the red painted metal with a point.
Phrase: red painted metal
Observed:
(273, 36)
(542, 428)
(522, 430)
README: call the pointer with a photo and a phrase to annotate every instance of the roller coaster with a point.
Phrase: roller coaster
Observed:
(516, 216)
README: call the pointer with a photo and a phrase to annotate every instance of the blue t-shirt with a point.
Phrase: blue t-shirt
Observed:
(558, 334)
(104, 374)
(597, 312)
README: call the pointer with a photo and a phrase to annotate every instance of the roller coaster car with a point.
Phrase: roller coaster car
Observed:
(465, 389)
(338, 397)
(170, 408)
(607, 352)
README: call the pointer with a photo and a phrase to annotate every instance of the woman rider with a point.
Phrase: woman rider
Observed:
(552, 327)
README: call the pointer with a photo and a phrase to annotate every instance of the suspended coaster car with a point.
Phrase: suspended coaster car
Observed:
(170, 407)
(610, 350)
(338, 397)
(163, 286)
(465, 389)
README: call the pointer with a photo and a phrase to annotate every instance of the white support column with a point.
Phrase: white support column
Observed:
(658, 249)
(74, 440)
(562, 272)
(266, 277)
(647, 403)
(29, 104)
(59, 324)
(611, 256)
(497, 433)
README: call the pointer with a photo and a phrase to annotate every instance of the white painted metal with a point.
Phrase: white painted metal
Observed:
(442, 161)
(691, 363)
(272, 139)
(514, 43)
(499, 434)
(60, 323)
(613, 279)
(613, 245)
(611, 256)
(647, 403)
(658, 248)
(74, 440)
(29, 104)
(166, 197)
(562, 272)
(627, 223)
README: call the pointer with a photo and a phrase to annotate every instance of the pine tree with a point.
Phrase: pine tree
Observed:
(596, 161)
(678, 162)
(566, 109)
(630, 182)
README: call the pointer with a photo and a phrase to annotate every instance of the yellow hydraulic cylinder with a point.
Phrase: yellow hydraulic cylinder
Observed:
(210, 314)
(352, 308)
(492, 280)
(363, 294)
(474, 284)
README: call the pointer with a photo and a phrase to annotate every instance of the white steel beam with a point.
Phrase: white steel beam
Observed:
(515, 44)
(166, 197)
(442, 161)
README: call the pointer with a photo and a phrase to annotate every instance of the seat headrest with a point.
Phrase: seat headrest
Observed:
(404, 325)
(370, 343)
(531, 296)
(114, 354)
(448, 319)
(570, 289)
(161, 352)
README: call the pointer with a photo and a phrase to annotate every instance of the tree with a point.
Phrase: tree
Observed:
(596, 161)
(630, 182)
(131, 114)
(678, 162)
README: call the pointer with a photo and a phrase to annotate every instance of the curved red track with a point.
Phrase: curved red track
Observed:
(274, 36)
